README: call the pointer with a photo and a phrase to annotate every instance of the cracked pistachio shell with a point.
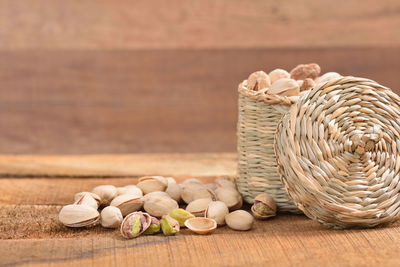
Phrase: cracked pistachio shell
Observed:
(264, 207)
(223, 182)
(277, 74)
(231, 197)
(239, 220)
(201, 225)
(173, 189)
(106, 193)
(180, 215)
(87, 199)
(111, 217)
(155, 194)
(155, 227)
(191, 192)
(95, 196)
(127, 203)
(217, 210)
(169, 225)
(129, 190)
(150, 184)
(198, 207)
(78, 216)
(135, 224)
(159, 206)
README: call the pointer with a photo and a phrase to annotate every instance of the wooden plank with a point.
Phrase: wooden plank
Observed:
(286, 240)
(147, 101)
(112, 165)
(204, 24)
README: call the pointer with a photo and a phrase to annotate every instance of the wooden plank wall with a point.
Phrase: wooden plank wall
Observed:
(82, 76)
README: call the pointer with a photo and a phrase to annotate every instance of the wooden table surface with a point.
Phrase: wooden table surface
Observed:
(33, 189)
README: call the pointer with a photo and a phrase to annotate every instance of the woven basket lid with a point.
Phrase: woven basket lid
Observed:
(338, 153)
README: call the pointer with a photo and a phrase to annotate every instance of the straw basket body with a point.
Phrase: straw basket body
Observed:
(259, 115)
(338, 153)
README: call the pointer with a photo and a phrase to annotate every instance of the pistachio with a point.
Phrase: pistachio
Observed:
(154, 227)
(192, 181)
(211, 186)
(307, 84)
(135, 224)
(201, 225)
(239, 220)
(327, 77)
(284, 87)
(159, 206)
(155, 194)
(87, 199)
(258, 80)
(127, 203)
(217, 210)
(150, 184)
(111, 217)
(78, 216)
(169, 225)
(277, 74)
(230, 197)
(304, 71)
(173, 189)
(180, 215)
(224, 182)
(198, 207)
(129, 190)
(95, 196)
(191, 192)
(106, 193)
(264, 207)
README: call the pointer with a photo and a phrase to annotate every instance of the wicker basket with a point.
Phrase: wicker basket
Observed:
(259, 114)
(338, 153)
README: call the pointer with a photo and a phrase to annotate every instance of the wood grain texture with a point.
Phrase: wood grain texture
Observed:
(75, 102)
(128, 24)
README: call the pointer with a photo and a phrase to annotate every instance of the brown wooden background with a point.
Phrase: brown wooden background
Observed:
(84, 76)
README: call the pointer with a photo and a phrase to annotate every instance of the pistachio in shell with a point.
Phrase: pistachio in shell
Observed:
(191, 181)
(127, 203)
(150, 184)
(217, 210)
(94, 196)
(239, 220)
(231, 197)
(224, 182)
(111, 217)
(106, 193)
(87, 199)
(135, 224)
(169, 225)
(159, 206)
(155, 227)
(180, 215)
(155, 194)
(198, 207)
(78, 215)
(191, 192)
(173, 189)
(129, 190)
(264, 207)
(201, 225)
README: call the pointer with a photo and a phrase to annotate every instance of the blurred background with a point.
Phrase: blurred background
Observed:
(84, 76)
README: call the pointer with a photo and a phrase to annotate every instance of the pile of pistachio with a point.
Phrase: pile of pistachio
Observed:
(280, 82)
(152, 206)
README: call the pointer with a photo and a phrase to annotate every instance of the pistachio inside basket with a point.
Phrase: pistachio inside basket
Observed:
(338, 153)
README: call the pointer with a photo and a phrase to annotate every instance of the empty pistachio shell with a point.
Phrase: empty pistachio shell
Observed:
(180, 215)
(87, 199)
(230, 197)
(277, 74)
(127, 203)
(169, 225)
(284, 87)
(217, 210)
(155, 227)
(224, 182)
(264, 207)
(191, 192)
(327, 77)
(135, 224)
(198, 207)
(111, 217)
(78, 215)
(95, 196)
(155, 194)
(173, 189)
(129, 190)
(150, 184)
(106, 193)
(201, 225)
(159, 206)
(239, 220)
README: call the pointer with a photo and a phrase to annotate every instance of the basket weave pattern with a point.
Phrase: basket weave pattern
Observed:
(259, 115)
(338, 153)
